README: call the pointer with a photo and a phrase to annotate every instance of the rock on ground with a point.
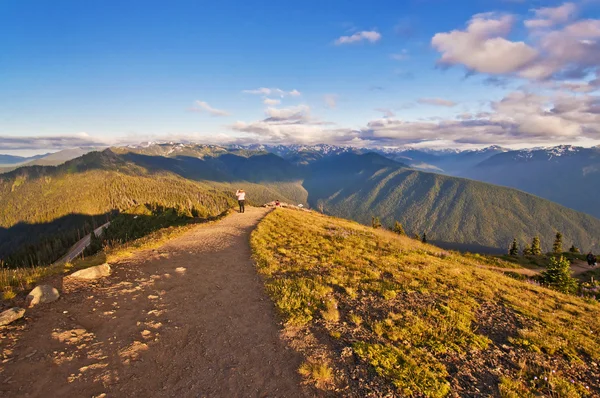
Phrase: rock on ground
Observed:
(11, 315)
(42, 294)
(96, 272)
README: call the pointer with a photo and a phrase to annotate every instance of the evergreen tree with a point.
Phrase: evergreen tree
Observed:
(527, 250)
(417, 236)
(398, 228)
(424, 240)
(574, 249)
(558, 275)
(514, 248)
(536, 247)
(557, 247)
(95, 244)
(375, 222)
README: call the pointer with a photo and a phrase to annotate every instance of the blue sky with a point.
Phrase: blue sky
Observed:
(367, 73)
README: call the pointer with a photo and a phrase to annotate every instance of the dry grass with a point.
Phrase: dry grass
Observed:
(319, 373)
(418, 319)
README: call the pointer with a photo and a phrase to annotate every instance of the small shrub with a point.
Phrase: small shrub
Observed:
(558, 275)
(319, 373)
(330, 312)
(398, 228)
(355, 319)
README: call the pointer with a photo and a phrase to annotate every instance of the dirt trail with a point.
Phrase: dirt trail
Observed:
(188, 320)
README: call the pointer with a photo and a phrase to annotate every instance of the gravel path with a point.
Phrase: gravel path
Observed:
(190, 319)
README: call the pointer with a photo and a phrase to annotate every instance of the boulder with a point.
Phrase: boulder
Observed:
(11, 315)
(42, 294)
(99, 271)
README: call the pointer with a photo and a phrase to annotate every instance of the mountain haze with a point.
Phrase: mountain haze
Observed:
(565, 174)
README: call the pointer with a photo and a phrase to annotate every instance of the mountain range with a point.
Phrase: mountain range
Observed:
(454, 212)
(9, 162)
(566, 174)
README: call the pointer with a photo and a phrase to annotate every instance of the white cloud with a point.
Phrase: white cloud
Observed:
(571, 51)
(551, 16)
(330, 100)
(517, 118)
(482, 46)
(300, 113)
(273, 91)
(59, 142)
(205, 107)
(436, 102)
(271, 101)
(371, 36)
(387, 113)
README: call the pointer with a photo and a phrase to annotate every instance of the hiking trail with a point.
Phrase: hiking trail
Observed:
(190, 319)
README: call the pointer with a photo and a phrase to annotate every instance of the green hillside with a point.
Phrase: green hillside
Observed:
(54, 206)
(450, 210)
(377, 314)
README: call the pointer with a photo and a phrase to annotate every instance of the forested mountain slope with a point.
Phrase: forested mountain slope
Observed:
(566, 175)
(448, 209)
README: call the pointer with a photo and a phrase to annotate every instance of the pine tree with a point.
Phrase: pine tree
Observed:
(398, 228)
(514, 248)
(574, 249)
(527, 250)
(424, 240)
(557, 246)
(536, 247)
(558, 275)
(375, 222)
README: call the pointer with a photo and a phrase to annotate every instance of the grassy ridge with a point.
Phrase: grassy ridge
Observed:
(377, 314)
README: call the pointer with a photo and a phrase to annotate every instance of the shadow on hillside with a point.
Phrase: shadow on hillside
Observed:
(468, 247)
(25, 245)
(224, 168)
(51, 237)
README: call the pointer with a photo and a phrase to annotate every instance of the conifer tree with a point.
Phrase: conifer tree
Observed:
(375, 222)
(514, 248)
(398, 228)
(527, 250)
(558, 275)
(536, 247)
(557, 246)
(424, 240)
(574, 250)
(417, 236)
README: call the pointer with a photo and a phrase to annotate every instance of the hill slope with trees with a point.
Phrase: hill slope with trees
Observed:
(450, 210)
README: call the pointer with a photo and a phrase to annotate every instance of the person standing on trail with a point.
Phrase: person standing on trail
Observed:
(241, 197)
(591, 259)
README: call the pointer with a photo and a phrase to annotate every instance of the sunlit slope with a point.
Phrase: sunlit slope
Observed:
(375, 314)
